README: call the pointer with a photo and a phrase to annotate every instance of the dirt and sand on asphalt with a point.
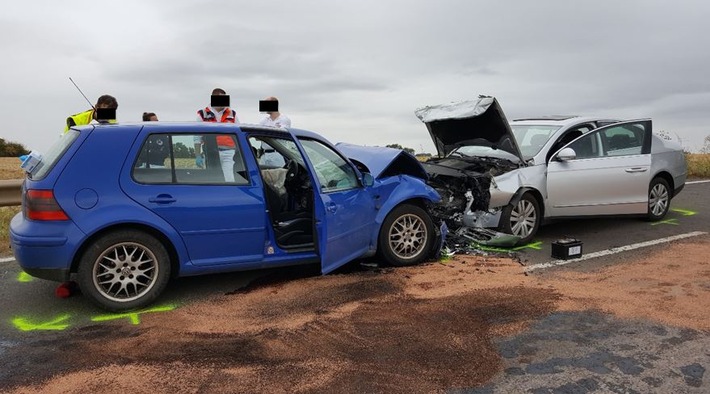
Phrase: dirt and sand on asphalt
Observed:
(418, 329)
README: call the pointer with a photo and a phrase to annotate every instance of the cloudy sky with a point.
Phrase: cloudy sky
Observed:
(355, 70)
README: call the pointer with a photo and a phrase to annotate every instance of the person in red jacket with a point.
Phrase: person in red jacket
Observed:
(219, 112)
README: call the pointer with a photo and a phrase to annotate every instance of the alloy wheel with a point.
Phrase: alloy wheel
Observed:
(408, 236)
(125, 271)
(658, 199)
(523, 218)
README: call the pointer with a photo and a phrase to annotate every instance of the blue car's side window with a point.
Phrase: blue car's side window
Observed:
(190, 159)
(332, 171)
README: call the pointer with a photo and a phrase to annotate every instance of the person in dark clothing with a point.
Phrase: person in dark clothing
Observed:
(156, 148)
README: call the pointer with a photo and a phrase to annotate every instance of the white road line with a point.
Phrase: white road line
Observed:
(607, 252)
(694, 182)
(6, 259)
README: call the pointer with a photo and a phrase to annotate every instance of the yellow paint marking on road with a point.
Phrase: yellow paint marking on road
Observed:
(57, 324)
(134, 317)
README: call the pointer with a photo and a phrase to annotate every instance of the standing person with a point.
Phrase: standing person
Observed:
(105, 102)
(219, 112)
(269, 156)
(157, 148)
(275, 118)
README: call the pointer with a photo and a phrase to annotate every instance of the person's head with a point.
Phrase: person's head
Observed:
(105, 102)
(219, 92)
(272, 98)
(150, 117)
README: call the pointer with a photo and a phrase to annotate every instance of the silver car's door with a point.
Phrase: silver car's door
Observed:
(609, 175)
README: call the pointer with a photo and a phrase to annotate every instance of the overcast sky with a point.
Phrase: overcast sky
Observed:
(355, 71)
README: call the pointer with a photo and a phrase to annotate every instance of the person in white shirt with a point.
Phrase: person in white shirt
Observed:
(270, 157)
(275, 118)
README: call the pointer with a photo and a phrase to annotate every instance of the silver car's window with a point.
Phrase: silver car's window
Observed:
(587, 147)
(531, 138)
(333, 172)
(623, 140)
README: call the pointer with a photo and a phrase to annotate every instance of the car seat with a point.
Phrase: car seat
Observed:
(291, 228)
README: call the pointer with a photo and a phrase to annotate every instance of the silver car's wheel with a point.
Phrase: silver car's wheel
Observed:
(406, 236)
(522, 219)
(124, 270)
(659, 199)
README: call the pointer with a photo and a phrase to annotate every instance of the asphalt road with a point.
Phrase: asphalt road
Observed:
(690, 212)
(543, 359)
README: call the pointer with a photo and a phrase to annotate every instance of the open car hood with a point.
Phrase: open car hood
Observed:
(382, 162)
(473, 122)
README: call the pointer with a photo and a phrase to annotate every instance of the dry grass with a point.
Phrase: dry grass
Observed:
(698, 165)
(10, 168)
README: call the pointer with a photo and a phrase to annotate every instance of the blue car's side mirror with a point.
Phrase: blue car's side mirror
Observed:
(367, 179)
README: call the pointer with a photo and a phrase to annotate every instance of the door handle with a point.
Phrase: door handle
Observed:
(331, 207)
(162, 199)
(636, 169)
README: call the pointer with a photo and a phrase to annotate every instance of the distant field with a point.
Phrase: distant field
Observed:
(10, 168)
(698, 165)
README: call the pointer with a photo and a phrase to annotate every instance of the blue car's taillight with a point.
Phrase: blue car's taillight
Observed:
(41, 205)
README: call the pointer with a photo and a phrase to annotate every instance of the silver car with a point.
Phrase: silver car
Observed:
(512, 176)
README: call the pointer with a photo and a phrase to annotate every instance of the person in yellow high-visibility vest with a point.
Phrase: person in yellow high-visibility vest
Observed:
(84, 118)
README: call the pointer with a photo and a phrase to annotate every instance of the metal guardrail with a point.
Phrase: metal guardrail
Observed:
(10, 192)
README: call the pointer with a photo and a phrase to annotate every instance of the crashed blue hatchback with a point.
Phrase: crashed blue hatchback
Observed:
(124, 208)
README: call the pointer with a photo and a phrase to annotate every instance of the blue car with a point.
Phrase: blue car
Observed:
(125, 208)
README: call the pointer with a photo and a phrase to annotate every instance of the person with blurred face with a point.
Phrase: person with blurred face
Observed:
(218, 112)
(269, 157)
(92, 115)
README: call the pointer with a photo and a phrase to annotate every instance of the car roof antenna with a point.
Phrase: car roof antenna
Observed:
(82, 93)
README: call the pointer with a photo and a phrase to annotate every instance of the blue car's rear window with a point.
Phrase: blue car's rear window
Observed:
(53, 155)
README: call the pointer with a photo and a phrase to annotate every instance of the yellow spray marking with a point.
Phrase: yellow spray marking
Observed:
(24, 277)
(134, 317)
(667, 221)
(684, 212)
(534, 245)
(56, 325)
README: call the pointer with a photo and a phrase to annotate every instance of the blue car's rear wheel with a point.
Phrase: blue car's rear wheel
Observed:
(406, 236)
(124, 270)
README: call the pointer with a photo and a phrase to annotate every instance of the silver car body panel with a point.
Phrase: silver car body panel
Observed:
(611, 179)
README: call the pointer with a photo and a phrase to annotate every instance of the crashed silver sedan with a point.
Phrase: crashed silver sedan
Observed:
(512, 177)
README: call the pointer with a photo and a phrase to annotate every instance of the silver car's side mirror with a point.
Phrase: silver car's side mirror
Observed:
(367, 179)
(566, 154)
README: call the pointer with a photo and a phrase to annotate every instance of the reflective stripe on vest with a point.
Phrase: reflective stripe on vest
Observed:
(227, 117)
(80, 119)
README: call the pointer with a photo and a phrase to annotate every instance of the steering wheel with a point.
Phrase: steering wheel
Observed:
(292, 171)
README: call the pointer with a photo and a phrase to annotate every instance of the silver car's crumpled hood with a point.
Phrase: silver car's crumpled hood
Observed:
(472, 122)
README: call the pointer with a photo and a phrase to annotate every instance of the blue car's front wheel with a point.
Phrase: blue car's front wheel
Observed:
(124, 270)
(407, 236)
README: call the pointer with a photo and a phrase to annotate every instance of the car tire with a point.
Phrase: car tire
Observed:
(659, 199)
(406, 236)
(522, 218)
(124, 270)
